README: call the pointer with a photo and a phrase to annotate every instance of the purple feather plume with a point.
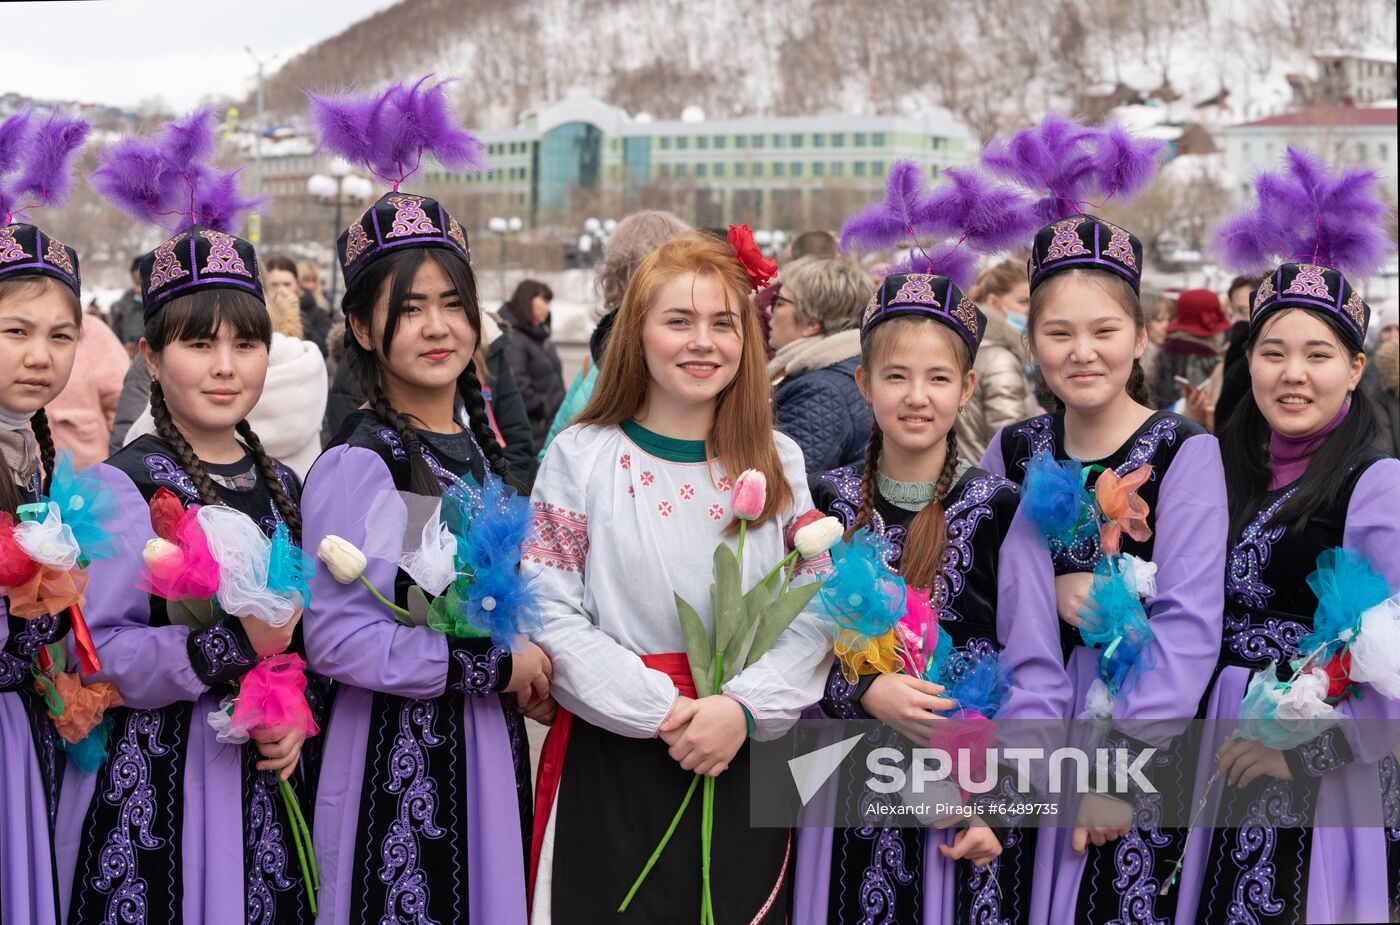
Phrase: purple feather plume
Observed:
(1308, 212)
(167, 180)
(954, 260)
(992, 217)
(887, 223)
(1068, 164)
(42, 154)
(390, 131)
(48, 175)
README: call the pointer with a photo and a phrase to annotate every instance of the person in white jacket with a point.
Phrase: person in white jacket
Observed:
(288, 415)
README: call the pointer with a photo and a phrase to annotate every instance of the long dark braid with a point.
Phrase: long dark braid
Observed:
(184, 453)
(474, 400)
(43, 436)
(868, 480)
(926, 536)
(268, 472)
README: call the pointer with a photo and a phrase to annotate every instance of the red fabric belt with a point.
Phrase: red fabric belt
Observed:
(674, 664)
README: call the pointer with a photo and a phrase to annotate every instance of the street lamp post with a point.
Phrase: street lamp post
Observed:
(340, 189)
(501, 227)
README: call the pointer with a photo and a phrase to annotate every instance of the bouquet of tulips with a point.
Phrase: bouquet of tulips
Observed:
(744, 625)
(208, 561)
(43, 571)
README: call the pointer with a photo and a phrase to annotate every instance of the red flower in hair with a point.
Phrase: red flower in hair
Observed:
(759, 267)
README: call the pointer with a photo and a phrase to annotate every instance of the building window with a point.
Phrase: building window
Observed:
(680, 170)
(838, 169)
(665, 144)
(777, 141)
(702, 142)
(879, 140)
(740, 140)
(665, 170)
(838, 139)
(818, 169)
(682, 143)
(796, 168)
(757, 169)
(860, 168)
(738, 169)
(877, 167)
(860, 139)
(778, 169)
(757, 141)
(719, 170)
(819, 140)
(702, 170)
(795, 140)
(719, 141)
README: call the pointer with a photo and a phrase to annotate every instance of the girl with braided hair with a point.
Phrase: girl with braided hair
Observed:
(40, 322)
(178, 825)
(956, 533)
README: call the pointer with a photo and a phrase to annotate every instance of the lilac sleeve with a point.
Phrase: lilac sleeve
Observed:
(991, 460)
(150, 665)
(1187, 611)
(1028, 627)
(351, 637)
(1373, 529)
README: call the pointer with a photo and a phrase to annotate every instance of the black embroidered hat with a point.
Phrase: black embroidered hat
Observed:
(1314, 288)
(26, 251)
(925, 295)
(396, 221)
(196, 259)
(1085, 242)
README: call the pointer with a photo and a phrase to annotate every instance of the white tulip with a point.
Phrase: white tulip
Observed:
(818, 537)
(344, 561)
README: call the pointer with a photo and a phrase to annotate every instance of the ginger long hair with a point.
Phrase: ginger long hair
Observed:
(741, 434)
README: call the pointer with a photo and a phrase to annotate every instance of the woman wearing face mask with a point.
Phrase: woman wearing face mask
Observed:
(423, 801)
(1002, 394)
(40, 322)
(1303, 479)
(177, 825)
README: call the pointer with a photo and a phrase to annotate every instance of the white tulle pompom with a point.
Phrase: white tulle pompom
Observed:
(1375, 652)
(1098, 702)
(243, 554)
(1141, 574)
(431, 565)
(221, 721)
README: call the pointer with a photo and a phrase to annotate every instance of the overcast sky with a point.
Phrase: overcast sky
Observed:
(125, 51)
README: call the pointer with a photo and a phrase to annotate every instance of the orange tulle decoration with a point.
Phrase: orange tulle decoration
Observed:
(83, 706)
(1123, 510)
(874, 656)
(48, 590)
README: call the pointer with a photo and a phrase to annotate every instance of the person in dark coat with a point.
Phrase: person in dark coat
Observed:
(1234, 378)
(816, 335)
(533, 359)
(128, 318)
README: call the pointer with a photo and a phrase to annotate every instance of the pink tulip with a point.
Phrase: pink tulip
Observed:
(750, 494)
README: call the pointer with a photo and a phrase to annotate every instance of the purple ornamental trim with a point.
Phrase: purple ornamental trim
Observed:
(164, 469)
(478, 673)
(15, 672)
(839, 699)
(1327, 752)
(220, 654)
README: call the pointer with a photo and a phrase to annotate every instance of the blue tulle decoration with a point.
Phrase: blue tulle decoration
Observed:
(862, 598)
(938, 664)
(91, 751)
(1115, 624)
(983, 686)
(1259, 720)
(501, 601)
(85, 505)
(1345, 585)
(289, 568)
(1055, 500)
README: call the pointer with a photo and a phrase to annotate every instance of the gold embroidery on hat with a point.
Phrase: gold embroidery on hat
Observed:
(966, 314)
(1356, 310)
(10, 249)
(57, 255)
(454, 231)
(1309, 282)
(917, 289)
(1120, 247)
(167, 267)
(1264, 293)
(409, 217)
(223, 257)
(1065, 242)
(356, 243)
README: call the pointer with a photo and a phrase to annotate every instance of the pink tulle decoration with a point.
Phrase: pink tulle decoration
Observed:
(188, 571)
(916, 630)
(966, 729)
(274, 695)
